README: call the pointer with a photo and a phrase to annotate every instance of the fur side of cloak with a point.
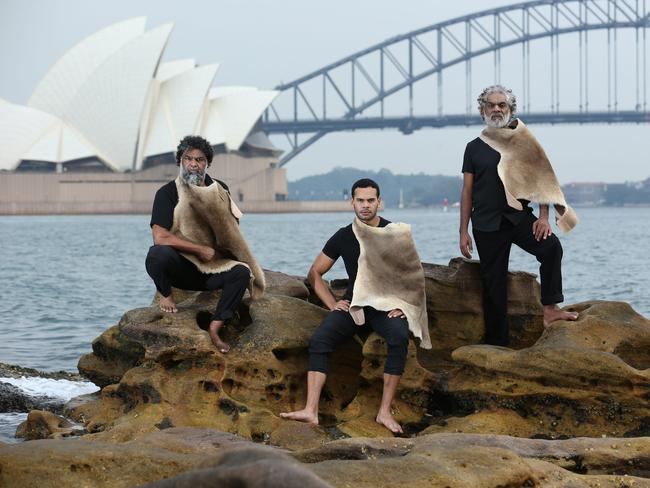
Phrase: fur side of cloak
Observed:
(390, 276)
(526, 172)
(204, 215)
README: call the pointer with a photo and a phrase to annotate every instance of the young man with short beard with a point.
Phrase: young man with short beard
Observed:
(168, 267)
(501, 217)
(352, 243)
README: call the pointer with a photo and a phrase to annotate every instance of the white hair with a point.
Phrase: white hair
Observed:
(511, 99)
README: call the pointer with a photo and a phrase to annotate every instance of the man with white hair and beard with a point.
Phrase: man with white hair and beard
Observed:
(165, 264)
(501, 216)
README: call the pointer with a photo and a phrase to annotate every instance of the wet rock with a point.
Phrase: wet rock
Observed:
(13, 399)
(46, 425)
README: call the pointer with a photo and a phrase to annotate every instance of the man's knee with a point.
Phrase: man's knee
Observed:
(552, 250)
(240, 273)
(398, 335)
(160, 255)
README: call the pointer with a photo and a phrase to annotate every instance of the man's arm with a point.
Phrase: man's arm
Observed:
(322, 265)
(465, 213)
(541, 227)
(162, 237)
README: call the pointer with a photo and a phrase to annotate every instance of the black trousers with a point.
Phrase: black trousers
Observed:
(339, 326)
(494, 252)
(168, 268)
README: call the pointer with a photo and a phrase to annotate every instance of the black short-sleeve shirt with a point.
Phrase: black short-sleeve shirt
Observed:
(165, 201)
(345, 244)
(489, 204)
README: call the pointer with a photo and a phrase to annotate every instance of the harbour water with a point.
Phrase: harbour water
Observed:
(65, 279)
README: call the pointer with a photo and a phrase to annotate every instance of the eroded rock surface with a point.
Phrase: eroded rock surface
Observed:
(159, 372)
(582, 378)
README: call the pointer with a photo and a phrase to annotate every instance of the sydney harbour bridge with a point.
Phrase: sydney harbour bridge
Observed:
(569, 62)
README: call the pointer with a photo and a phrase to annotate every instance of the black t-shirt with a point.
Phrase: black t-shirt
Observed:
(344, 243)
(489, 204)
(166, 199)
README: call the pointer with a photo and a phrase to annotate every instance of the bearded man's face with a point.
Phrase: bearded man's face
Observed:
(193, 165)
(496, 111)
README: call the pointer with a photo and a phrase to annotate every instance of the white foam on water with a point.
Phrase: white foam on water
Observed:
(60, 389)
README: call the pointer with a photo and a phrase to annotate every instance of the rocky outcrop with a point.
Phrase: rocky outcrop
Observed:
(580, 378)
(192, 457)
(161, 378)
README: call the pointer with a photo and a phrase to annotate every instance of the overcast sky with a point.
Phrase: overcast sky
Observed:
(264, 42)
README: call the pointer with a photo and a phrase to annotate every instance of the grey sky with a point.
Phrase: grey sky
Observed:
(263, 42)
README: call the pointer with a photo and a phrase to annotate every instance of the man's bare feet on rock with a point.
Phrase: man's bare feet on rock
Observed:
(167, 304)
(213, 330)
(387, 420)
(305, 415)
(553, 313)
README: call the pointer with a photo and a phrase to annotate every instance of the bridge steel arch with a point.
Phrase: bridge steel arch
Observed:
(433, 49)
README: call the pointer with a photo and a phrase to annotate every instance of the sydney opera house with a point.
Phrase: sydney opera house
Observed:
(100, 130)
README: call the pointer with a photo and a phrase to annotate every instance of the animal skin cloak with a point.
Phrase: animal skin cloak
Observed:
(206, 215)
(526, 172)
(390, 276)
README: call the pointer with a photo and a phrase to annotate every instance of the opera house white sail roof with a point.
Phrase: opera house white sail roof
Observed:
(111, 98)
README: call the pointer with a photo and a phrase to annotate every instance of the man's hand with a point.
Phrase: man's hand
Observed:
(541, 228)
(205, 254)
(396, 312)
(466, 245)
(342, 305)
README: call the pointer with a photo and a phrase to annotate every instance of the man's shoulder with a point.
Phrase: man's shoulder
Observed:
(170, 186)
(475, 143)
(383, 222)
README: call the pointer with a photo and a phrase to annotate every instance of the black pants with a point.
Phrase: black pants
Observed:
(339, 326)
(494, 252)
(168, 268)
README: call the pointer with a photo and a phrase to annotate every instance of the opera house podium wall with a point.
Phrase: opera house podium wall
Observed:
(256, 184)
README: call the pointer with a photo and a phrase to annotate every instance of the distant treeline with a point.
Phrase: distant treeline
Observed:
(418, 190)
(423, 190)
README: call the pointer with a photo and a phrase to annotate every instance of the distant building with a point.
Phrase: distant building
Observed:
(110, 107)
(585, 193)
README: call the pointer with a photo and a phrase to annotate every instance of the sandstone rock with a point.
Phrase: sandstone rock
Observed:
(180, 457)
(480, 461)
(92, 463)
(45, 425)
(247, 467)
(285, 285)
(573, 380)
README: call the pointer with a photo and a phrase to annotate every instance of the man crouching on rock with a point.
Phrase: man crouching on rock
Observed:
(197, 241)
(385, 291)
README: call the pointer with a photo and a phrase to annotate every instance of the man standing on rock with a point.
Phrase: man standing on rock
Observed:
(197, 242)
(373, 249)
(503, 170)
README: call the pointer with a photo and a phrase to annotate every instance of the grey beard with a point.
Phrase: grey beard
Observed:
(497, 124)
(190, 178)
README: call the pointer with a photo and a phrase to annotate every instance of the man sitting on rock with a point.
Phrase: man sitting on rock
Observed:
(503, 170)
(197, 241)
(385, 290)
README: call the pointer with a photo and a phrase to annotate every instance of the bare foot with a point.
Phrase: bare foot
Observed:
(167, 304)
(553, 313)
(213, 330)
(305, 415)
(387, 420)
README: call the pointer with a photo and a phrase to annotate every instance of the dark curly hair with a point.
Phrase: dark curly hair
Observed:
(365, 183)
(194, 142)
